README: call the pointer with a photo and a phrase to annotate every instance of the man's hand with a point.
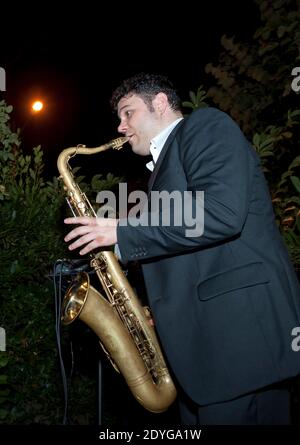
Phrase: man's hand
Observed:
(94, 232)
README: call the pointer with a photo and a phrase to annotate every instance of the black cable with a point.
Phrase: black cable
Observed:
(57, 297)
(61, 268)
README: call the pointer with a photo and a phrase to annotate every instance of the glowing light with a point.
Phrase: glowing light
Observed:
(37, 106)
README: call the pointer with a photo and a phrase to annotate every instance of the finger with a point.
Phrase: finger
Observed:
(84, 240)
(79, 220)
(78, 231)
(89, 247)
(106, 222)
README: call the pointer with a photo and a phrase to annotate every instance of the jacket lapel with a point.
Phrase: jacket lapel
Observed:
(163, 154)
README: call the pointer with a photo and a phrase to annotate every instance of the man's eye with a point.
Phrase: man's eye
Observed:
(128, 113)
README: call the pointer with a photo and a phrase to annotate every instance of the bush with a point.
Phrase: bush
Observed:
(30, 243)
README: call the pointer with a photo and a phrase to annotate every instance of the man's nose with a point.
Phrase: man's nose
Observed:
(122, 128)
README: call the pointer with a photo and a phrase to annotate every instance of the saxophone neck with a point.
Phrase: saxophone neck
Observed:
(65, 155)
(63, 158)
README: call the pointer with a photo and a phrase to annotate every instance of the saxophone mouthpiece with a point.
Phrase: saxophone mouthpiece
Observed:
(117, 143)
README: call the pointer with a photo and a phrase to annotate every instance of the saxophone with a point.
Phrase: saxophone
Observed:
(119, 320)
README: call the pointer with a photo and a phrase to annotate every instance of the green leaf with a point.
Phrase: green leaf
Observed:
(295, 163)
(3, 360)
(188, 104)
(296, 182)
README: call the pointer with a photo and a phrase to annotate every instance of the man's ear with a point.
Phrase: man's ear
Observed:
(160, 103)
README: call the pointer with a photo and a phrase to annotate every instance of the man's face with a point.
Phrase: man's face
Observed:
(138, 123)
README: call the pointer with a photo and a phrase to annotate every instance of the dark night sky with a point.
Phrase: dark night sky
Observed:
(75, 61)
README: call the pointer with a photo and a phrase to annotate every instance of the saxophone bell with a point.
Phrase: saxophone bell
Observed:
(75, 298)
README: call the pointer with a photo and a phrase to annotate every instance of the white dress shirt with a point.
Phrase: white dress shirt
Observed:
(157, 143)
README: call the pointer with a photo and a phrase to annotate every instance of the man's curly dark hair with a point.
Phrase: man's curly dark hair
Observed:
(146, 86)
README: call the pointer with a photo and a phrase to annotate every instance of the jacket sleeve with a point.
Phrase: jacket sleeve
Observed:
(216, 160)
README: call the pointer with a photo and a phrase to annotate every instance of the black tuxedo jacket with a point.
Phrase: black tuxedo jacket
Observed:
(224, 302)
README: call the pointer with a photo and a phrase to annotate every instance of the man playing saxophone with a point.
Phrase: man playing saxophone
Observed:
(226, 299)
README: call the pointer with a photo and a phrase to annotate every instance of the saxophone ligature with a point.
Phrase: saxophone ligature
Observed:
(118, 318)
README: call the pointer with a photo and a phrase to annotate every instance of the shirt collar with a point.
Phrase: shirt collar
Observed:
(157, 143)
